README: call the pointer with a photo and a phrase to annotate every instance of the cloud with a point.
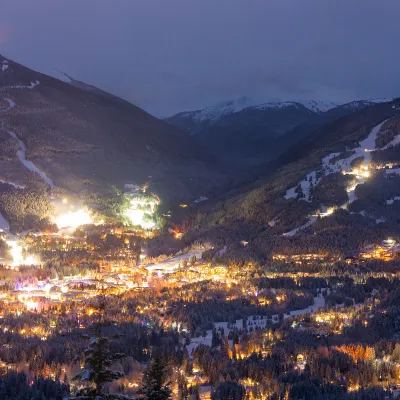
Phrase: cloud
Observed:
(3, 33)
(176, 55)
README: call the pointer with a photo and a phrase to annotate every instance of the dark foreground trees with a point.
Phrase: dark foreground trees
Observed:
(156, 380)
(228, 390)
(98, 370)
(15, 386)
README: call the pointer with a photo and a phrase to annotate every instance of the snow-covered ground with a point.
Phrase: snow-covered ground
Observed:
(305, 184)
(392, 143)
(11, 104)
(391, 201)
(215, 113)
(172, 264)
(61, 76)
(13, 184)
(21, 153)
(291, 193)
(342, 165)
(358, 104)
(4, 67)
(393, 171)
(200, 199)
(254, 321)
(221, 252)
(31, 86)
(319, 302)
(276, 104)
(295, 231)
(318, 106)
(4, 225)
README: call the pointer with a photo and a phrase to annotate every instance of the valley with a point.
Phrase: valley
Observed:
(119, 227)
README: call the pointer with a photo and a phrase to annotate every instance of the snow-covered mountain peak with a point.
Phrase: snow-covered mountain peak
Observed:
(275, 104)
(222, 109)
(316, 106)
(363, 103)
(211, 115)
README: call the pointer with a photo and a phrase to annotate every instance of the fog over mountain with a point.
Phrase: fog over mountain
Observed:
(162, 58)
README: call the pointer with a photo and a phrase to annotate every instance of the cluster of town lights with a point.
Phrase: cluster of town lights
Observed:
(73, 219)
(17, 254)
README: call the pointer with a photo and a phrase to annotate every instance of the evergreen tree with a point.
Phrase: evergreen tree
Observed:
(215, 340)
(155, 380)
(97, 372)
(229, 390)
(183, 392)
(194, 392)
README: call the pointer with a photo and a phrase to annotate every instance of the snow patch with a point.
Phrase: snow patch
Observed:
(200, 199)
(4, 225)
(214, 114)
(294, 232)
(31, 86)
(319, 302)
(291, 193)
(318, 106)
(276, 104)
(343, 165)
(273, 222)
(13, 184)
(393, 143)
(393, 171)
(21, 154)
(11, 105)
(312, 105)
(172, 264)
(253, 321)
(358, 104)
(61, 76)
(391, 201)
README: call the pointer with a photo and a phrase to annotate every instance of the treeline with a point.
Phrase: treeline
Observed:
(17, 386)
(199, 316)
(61, 352)
(337, 236)
(26, 209)
(327, 375)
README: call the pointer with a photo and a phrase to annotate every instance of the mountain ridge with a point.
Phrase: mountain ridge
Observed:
(213, 114)
(86, 140)
(318, 197)
(245, 135)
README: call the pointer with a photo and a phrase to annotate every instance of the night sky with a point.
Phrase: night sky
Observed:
(175, 55)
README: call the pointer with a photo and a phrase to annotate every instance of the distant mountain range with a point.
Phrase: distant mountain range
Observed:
(194, 121)
(245, 133)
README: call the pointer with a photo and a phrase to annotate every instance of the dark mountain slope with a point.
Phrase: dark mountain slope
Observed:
(244, 137)
(302, 131)
(86, 140)
(261, 212)
(249, 136)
